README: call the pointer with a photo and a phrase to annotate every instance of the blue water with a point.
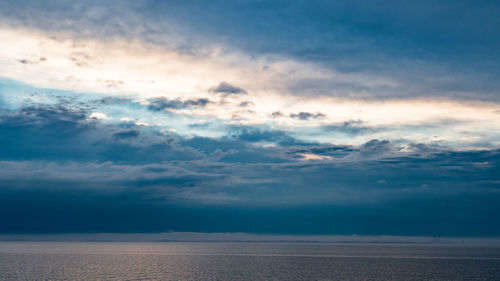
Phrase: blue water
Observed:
(245, 261)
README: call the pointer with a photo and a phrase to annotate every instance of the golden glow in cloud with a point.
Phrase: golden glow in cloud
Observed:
(119, 66)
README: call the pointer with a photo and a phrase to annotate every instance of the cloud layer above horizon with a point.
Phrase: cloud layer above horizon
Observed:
(326, 116)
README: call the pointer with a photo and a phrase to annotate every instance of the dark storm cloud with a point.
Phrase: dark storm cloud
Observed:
(41, 132)
(53, 157)
(404, 195)
(95, 212)
(56, 132)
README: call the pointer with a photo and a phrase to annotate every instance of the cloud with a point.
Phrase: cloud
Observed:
(154, 197)
(254, 135)
(376, 147)
(141, 133)
(53, 132)
(308, 156)
(51, 154)
(352, 127)
(26, 61)
(99, 115)
(373, 58)
(227, 89)
(126, 134)
(247, 103)
(307, 115)
(188, 76)
(327, 150)
(162, 103)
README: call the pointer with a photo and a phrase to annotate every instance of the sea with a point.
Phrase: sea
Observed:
(246, 261)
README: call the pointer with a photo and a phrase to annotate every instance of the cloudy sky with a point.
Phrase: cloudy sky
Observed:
(276, 117)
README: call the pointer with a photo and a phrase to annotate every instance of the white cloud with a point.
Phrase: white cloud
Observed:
(99, 116)
(132, 68)
(140, 123)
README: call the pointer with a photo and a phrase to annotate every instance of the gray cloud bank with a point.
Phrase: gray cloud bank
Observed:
(55, 158)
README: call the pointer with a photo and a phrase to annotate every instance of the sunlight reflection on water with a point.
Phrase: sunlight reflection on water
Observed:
(245, 261)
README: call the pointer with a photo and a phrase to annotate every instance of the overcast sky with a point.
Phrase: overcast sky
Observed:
(277, 117)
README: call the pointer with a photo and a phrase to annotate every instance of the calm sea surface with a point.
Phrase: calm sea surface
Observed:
(245, 261)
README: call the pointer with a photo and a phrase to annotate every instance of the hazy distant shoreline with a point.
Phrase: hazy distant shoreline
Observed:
(244, 237)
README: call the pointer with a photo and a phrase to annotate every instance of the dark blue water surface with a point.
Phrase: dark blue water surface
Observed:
(246, 261)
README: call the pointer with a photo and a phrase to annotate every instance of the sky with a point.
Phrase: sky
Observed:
(266, 117)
